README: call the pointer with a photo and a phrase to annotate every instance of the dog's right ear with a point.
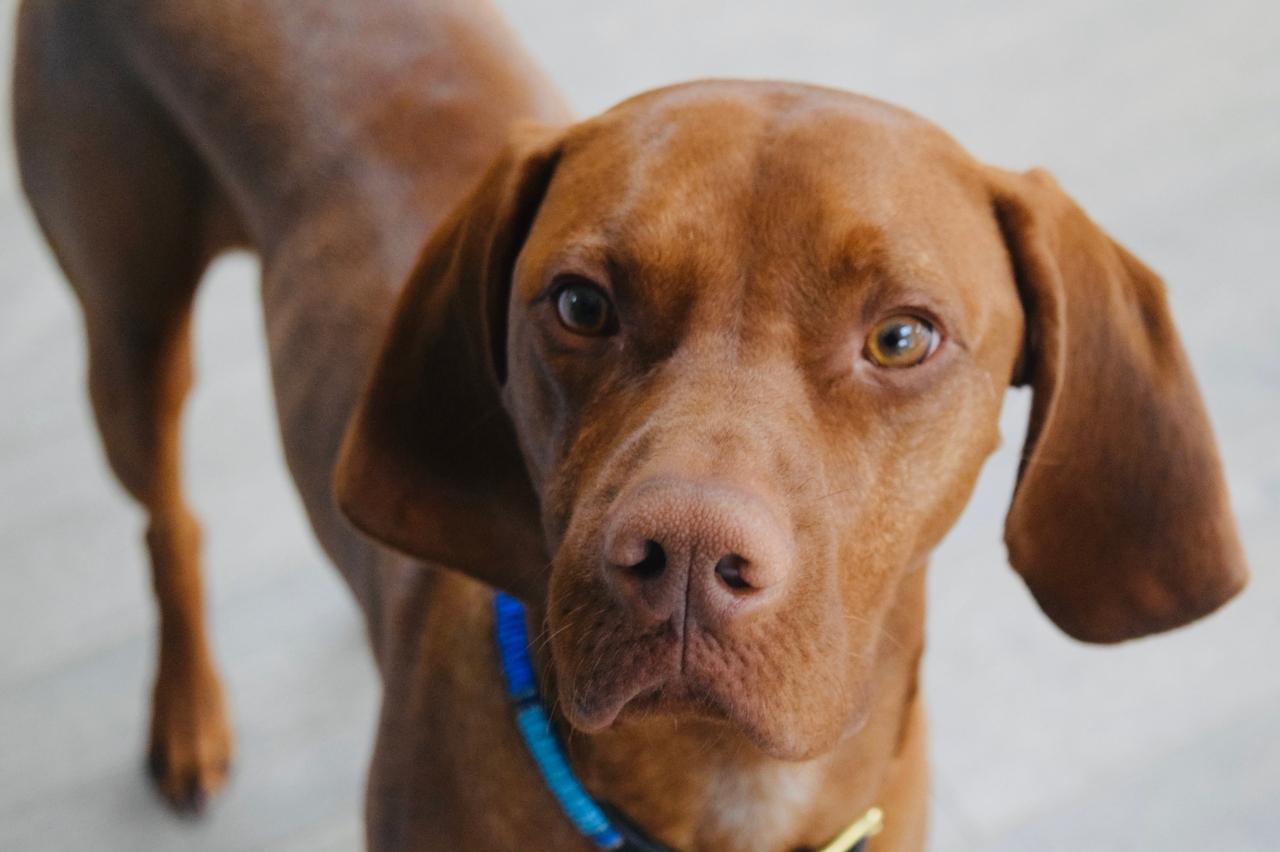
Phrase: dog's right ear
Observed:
(1120, 522)
(430, 464)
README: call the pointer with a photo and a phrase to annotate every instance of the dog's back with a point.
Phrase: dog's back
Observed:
(328, 138)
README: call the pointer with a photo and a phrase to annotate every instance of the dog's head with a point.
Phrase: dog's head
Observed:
(705, 377)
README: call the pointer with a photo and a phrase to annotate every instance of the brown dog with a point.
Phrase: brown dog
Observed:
(703, 380)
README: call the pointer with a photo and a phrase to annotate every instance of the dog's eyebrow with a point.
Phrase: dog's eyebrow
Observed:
(878, 272)
(608, 259)
(587, 256)
(859, 253)
(867, 253)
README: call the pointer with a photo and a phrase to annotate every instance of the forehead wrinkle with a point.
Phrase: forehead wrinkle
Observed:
(850, 212)
(794, 219)
(741, 222)
(678, 227)
(761, 207)
(772, 210)
(666, 167)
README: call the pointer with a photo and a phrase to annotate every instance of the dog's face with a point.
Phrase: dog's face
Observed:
(730, 356)
(755, 360)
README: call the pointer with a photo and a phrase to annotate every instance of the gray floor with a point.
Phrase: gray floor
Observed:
(1162, 117)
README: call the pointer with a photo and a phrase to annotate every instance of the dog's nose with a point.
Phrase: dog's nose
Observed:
(713, 551)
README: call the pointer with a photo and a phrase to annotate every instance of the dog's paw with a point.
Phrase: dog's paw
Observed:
(191, 743)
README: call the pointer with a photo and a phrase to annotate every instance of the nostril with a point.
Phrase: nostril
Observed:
(729, 570)
(653, 563)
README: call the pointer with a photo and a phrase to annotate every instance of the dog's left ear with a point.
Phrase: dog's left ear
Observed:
(1120, 522)
(430, 463)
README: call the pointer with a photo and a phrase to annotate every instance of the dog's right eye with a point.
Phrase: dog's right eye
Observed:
(584, 308)
(902, 340)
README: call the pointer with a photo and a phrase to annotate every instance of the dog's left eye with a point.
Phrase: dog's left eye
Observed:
(902, 340)
(584, 308)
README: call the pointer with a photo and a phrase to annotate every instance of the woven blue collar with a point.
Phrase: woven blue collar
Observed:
(535, 726)
(605, 826)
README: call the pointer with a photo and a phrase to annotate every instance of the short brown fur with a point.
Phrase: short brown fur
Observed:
(750, 234)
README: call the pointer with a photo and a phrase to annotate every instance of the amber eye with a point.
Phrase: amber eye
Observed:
(902, 340)
(584, 308)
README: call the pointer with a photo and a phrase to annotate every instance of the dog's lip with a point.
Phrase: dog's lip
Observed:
(597, 706)
(591, 716)
(685, 694)
(668, 690)
(629, 665)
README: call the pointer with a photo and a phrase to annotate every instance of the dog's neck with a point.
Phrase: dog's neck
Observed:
(701, 785)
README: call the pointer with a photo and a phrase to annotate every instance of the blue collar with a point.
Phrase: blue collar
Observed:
(531, 718)
(602, 824)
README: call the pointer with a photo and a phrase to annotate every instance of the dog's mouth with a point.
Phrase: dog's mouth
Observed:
(633, 678)
(679, 696)
(684, 697)
(626, 674)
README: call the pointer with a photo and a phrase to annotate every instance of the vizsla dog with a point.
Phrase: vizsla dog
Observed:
(701, 381)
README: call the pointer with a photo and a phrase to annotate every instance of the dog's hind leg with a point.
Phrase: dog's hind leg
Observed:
(133, 220)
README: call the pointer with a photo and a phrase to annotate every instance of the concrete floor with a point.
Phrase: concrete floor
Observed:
(1161, 116)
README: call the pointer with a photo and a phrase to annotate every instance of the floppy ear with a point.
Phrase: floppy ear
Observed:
(430, 463)
(1120, 522)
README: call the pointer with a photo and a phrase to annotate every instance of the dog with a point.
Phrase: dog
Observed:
(700, 382)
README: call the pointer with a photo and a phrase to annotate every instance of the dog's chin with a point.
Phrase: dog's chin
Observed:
(679, 698)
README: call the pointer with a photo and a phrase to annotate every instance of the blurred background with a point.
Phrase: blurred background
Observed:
(1162, 117)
